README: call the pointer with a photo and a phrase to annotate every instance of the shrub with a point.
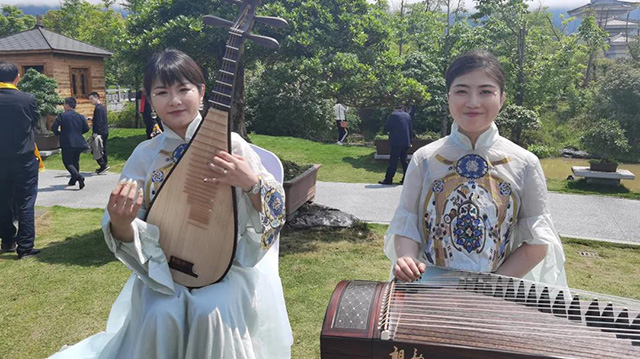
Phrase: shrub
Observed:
(542, 151)
(514, 119)
(606, 139)
(284, 100)
(45, 90)
(126, 118)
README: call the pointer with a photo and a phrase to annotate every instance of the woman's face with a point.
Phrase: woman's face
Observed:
(474, 102)
(176, 105)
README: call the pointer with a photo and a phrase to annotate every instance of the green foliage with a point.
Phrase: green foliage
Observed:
(45, 90)
(514, 119)
(284, 99)
(542, 151)
(13, 20)
(606, 138)
(293, 169)
(618, 96)
(126, 118)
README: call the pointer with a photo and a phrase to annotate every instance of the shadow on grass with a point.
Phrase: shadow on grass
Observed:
(367, 162)
(87, 250)
(582, 185)
(294, 241)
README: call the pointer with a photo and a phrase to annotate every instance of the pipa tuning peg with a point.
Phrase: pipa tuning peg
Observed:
(217, 21)
(272, 21)
(265, 41)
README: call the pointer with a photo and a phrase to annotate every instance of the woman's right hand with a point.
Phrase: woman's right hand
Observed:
(124, 203)
(408, 269)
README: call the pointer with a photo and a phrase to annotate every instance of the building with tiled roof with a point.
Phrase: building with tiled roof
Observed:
(613, 17)
(77, 66)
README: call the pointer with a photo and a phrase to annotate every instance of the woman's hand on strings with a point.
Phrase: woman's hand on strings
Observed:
(233, 170)
(124, 203)
(408, 269)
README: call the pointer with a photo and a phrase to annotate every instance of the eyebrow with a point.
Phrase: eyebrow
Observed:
(481, 86)
(164, 86)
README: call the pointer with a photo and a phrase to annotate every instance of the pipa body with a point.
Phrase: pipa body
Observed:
(479, 317)
(197, 220)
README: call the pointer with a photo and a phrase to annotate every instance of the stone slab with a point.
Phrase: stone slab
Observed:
(584, 171)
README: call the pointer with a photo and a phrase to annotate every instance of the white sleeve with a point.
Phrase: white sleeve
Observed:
(405, 220)
(263, 227)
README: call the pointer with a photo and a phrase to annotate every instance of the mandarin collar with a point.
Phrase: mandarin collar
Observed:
(191, 129)
(486, 139)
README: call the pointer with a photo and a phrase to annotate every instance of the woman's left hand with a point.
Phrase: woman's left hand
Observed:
(232, 170)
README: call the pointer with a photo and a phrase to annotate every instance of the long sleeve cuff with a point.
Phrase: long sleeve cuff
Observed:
(143, 256)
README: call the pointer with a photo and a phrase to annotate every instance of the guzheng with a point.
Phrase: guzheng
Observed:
(470, 315)
(197, 220)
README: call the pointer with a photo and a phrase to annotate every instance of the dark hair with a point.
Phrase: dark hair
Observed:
(171, 66)
(476, 60)
(8, 71)
(94, 94)
(70, 101)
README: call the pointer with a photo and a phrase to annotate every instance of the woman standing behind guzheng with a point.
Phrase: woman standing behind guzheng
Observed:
(241, 317)
(474, 200)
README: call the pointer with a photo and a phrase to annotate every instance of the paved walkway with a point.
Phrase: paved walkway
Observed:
(579, 216)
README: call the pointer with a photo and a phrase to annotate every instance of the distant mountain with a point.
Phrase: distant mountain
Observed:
(36, 10)
(557, 19)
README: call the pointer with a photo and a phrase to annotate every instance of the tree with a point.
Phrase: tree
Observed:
(98, 25)
(514, 119)
(596, 40)
(606, 139)
(13, 20)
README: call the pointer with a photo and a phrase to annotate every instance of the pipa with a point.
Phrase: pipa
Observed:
(470, 315)
(198, 221)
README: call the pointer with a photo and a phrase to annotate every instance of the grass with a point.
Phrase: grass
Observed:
(64, 294)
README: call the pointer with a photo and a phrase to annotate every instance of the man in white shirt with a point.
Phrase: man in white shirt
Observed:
(341, 122)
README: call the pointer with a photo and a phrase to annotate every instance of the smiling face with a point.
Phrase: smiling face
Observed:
(475, 100)
(176, 104)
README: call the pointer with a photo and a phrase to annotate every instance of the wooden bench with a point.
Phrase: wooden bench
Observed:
(599, 177)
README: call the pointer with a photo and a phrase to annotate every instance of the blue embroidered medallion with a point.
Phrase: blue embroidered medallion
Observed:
(468, 229)
(472, 166)
(178, 152)
(438, 186)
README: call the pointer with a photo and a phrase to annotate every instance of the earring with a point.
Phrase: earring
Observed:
(154, 115)
(201, 107)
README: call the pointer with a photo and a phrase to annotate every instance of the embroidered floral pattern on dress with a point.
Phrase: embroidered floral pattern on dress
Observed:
(273, 216)
(178, 152)
(472, 166)
(505, 188)
(438, 186)
(157, 176)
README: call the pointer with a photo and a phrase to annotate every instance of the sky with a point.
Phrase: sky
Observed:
(563, 4)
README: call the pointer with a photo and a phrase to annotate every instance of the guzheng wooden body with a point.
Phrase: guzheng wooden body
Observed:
(465, 315)
(198, 220)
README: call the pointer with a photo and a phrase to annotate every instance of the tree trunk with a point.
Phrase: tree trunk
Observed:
(237, 107)
(521, 77)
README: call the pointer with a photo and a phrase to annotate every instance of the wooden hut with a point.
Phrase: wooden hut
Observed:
(77, 66)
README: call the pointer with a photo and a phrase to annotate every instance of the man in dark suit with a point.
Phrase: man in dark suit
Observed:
(399, 127)
(100, 127)
(18, 164)
(70, 126)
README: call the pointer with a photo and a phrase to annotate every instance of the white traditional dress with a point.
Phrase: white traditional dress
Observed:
(470, 208)
(241, 317)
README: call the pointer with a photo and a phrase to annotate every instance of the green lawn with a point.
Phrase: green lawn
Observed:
(64, 294)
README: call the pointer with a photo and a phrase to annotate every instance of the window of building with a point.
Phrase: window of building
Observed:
(39, 68)
(80, 83)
